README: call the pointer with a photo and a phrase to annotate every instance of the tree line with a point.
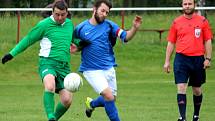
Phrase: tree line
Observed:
(88, 3)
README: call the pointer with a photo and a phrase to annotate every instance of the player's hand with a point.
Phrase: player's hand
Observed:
(6, 58)
(166, 67)
(207, 64)
(73, 48)
(137, 21)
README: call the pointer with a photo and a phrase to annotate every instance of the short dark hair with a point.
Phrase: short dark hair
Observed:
(99, 2)
(195, 1)
(60, 5)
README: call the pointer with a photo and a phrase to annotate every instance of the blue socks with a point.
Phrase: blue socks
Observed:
(99, 102)
(111, 110)
(109, 106)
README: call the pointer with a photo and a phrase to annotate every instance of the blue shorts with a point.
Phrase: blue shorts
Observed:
(189, 67)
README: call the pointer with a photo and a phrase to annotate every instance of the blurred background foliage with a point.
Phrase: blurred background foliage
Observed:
(88, 3)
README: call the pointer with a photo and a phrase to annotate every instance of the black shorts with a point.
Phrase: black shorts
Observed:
(189, 67)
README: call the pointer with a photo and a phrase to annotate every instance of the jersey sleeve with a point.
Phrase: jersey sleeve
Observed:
(78, 40)
(207, 32)
(78, 28)
(75, 40)
(116, 31)
(172, 33)
(33, 36)
(76, 33)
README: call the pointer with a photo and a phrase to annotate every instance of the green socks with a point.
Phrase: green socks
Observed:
(60, 110)
(48, 102)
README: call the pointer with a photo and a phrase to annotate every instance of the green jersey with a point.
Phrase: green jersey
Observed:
(55, 39)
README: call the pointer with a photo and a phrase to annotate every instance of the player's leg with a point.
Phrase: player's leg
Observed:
(91, 104)
(65, 96)
(197, 101)
(181, 73)
(110, 79)
(110, 107)
(182, 100)
(98, 102)
(48, 99)
(64, 104)
(109, 95)
(48, 74)
(97, 80)
(197, 78)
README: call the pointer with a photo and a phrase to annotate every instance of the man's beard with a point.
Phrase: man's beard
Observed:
(98, 20)
(191, 11)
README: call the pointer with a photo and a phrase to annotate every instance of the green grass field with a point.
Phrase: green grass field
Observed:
(145, 92)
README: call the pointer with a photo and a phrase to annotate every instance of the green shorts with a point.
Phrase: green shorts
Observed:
(57, 68)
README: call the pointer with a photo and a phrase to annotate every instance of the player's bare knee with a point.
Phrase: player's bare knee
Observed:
(67, 102)
(107, 93)
(66, 98)
(197, 91)
(182, 88)
(49, 83)
(50, 88)
(109, 97)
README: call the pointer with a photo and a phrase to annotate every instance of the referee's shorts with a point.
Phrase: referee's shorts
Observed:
(189, 67)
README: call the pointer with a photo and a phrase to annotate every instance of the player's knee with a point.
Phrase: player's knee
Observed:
(182, 88)
(107, 93)
(197, 91)
(49, 83)
(66, 98)
(66, 101)
(50, 88)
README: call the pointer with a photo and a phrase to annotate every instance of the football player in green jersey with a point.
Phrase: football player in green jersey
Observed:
(55, 34)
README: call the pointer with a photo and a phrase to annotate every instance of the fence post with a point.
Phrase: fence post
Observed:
(123, 15)
(18, 26)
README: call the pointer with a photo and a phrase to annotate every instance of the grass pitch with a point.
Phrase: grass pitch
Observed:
(145, 92)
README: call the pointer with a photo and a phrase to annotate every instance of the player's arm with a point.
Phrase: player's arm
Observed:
(75, 46)
(207, 35)
(169, 50)
(78, 39)
(136, 24)
(208, 53)
(75, 43)
(34, 35)
(78, 44)
(172, 37)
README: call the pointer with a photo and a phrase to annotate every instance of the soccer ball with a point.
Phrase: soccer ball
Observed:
(73, 82)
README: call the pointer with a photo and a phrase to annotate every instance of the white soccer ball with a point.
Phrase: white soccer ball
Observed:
(73, 82)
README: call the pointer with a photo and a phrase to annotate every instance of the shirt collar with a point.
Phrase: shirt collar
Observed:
(55, 21)
(194, 15)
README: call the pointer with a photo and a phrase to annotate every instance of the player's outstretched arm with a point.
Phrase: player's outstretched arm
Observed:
(6, 58)
(136, 24)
